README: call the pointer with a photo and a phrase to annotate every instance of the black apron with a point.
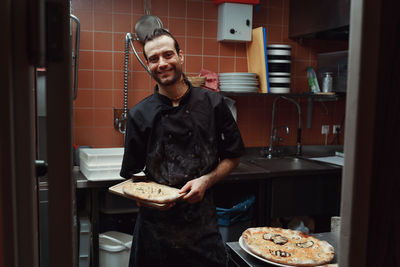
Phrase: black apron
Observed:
(180, 144)
(185, 235)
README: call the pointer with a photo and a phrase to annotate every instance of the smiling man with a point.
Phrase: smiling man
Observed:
(185, 137)
(165, 63)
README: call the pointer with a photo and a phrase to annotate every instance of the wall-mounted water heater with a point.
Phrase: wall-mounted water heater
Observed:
(235, 22)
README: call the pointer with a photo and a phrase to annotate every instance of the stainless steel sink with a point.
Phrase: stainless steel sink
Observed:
(285, 164)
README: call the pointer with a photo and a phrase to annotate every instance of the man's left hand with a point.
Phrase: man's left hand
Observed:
(196, 189)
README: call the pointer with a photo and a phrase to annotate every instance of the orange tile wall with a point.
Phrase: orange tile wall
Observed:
(104, 24)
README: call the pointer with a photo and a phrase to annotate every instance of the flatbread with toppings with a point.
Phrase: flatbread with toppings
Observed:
(152, 192)
(287, 246)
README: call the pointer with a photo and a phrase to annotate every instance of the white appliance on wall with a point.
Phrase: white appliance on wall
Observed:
(234, 22)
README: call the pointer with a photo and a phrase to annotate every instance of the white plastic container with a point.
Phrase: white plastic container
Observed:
(101, 163)
(114, 249)
(101, 172)
(98, 156)
(327, 81)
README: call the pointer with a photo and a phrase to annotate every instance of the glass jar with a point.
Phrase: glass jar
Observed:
(327, 82)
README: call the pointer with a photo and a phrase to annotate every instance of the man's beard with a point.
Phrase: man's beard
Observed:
(176, 77)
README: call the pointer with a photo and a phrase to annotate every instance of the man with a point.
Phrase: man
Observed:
(184, 137)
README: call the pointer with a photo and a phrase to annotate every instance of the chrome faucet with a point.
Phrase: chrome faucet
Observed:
(273, 135)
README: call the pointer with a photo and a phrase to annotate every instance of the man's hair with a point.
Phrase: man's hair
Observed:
(157, 33)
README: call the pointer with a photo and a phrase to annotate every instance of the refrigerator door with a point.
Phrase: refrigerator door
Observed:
(36, 34)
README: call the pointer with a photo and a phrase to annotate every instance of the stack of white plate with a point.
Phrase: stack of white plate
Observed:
(238, 82)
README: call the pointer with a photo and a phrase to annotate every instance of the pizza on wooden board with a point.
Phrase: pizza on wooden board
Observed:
(152, 192)
(289, 247)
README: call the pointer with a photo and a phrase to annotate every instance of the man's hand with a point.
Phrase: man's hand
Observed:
(196, 187)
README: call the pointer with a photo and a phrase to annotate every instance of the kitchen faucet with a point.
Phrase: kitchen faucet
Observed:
(273, 137)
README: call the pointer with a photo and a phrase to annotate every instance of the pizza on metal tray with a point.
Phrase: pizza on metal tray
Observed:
(289, 247)
(152, 192)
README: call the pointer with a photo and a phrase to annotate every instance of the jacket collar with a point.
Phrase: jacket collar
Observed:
(164, 99)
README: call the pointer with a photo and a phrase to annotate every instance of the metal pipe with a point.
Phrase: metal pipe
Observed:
(128, 37)
(121, 122)
(271, 137)
(298, 107)
(275, 137)
(136, 54)
(76, 57)
(298, 150)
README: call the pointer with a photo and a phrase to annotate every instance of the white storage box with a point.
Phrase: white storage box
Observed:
(234, 22)
(101, 172)
(99, 156)
(114, 249)
(101, 163)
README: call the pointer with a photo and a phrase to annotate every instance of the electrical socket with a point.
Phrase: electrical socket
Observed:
(335, 129)
(325, 129)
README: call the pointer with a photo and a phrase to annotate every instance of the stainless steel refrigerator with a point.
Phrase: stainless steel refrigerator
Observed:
(36, 34)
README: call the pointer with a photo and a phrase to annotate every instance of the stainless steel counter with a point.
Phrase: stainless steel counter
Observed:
(82, 182)
(274, 182)
(254, 167)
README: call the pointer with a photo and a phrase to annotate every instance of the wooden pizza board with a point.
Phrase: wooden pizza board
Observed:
(118, 190)
(256, 58)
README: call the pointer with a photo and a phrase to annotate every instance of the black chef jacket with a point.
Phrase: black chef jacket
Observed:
(175, 145)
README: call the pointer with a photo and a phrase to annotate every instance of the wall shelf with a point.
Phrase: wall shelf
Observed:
(311, 97)
(315, 97)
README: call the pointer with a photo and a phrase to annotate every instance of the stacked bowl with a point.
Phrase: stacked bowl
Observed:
(279, 59)
(238, 82)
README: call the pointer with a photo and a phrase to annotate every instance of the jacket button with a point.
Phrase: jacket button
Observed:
(190, 133)
(187, 111)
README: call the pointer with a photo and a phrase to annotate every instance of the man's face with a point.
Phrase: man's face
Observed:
(163, 61)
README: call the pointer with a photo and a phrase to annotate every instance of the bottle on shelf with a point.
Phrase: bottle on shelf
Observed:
(327, 82)
(312, 80)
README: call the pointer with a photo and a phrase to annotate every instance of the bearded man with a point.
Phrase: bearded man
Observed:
(184, 137)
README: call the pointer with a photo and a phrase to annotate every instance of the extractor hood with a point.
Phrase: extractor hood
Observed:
(319, 19)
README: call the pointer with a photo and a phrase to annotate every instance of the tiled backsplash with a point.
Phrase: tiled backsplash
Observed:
(104, 24)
